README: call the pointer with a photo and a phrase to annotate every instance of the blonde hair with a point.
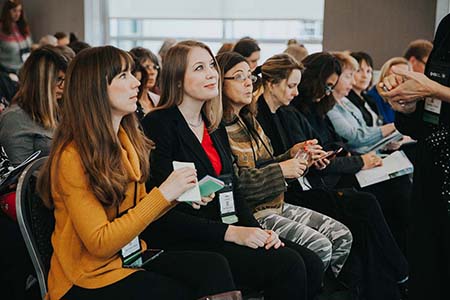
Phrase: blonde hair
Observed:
(346, 61)
(388, 65)
(172, 82)
(297, 51)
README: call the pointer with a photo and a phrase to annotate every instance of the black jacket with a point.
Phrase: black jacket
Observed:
(176, 142)
(298, 129)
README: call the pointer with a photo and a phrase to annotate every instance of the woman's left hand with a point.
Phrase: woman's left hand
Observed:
(203, 202)
(273, 240)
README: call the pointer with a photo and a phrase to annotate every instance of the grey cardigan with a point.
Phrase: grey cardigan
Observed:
(21, 136)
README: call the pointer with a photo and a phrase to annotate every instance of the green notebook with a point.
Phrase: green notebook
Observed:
(209, 185)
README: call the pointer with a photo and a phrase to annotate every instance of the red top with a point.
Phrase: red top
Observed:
(211, 152)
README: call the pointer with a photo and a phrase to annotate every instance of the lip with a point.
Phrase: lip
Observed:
(211, 85)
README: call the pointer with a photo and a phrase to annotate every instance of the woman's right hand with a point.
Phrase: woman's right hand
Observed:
(371, 160)
(293, 168)
(252, 237)
(387, 129)
(178, 182)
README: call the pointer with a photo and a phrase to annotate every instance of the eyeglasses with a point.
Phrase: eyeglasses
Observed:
(60, 81)
(329, 89)
(241, 77)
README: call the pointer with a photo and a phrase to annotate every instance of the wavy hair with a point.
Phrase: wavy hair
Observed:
(318, 68)
(87, 123)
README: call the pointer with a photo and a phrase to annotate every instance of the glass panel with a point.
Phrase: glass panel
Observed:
(113, 27)
(183, 28)
(126, 44)
(152, 45)
(128, 27)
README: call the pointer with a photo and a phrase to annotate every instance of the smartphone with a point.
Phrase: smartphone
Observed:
(145, 257)
(330, 153)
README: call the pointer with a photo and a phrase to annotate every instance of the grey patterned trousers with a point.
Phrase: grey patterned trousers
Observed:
(328, 238)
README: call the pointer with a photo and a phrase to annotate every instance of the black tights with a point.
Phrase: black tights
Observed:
(173, 275)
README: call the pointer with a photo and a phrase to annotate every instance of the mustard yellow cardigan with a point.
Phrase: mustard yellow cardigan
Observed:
(88, 237)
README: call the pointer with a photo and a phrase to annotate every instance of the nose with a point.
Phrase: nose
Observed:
(295, 92)
(212, 73)
(135, 83)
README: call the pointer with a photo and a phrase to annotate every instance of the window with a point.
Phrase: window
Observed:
(222, 21)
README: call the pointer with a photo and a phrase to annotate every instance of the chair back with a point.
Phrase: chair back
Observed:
(36, 222)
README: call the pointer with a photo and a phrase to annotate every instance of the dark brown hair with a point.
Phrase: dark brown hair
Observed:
(6, 20)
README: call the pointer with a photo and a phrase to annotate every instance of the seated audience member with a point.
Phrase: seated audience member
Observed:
(28, 124)
(149, 61)
(297, 51)
(187, 127)
(384, 108)
(77, 46)
(346, 118)
(48, 40)
(359, 211)
(15, 36)
(166, 45)
(226, 47)
(94, 181)
(348, 123)
(417, 54)
(26, 127)
(248, 48)
(140, 73)
(264, 190)
(63, 39)
(358, 94)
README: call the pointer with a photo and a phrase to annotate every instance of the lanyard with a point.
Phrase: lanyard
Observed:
(134, 202)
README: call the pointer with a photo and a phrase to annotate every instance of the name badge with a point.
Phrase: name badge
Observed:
(306, 186)
(433, 105)
(226, 201)
(432, 110)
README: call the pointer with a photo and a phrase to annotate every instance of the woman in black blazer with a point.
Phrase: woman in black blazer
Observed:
(187, 128)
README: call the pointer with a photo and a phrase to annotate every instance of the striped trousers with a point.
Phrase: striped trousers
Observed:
(328, 238)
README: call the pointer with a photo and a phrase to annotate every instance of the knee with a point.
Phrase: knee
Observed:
(215, 263)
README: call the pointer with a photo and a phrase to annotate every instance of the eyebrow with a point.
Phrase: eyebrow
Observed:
(240, 70)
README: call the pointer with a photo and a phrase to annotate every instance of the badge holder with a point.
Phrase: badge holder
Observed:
(226, 201)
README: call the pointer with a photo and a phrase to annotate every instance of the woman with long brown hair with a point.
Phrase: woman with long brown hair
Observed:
(187, 127)
(15, 39)
(94, 180)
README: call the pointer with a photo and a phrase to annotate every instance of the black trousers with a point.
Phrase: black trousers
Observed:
(15, 263)
(292, 272)
(375, 263)
(394, 197)
(172, 275)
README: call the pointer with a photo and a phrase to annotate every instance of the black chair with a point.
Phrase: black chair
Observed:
(36, 222)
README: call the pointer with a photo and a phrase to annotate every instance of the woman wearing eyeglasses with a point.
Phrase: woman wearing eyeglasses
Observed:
(28, 124)
(150, 91)
(253, 153)
(26, 127)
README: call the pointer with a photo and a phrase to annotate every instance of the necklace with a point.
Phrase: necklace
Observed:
(199, 123)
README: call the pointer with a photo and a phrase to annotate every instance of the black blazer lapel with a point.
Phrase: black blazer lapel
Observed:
(189, 140)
